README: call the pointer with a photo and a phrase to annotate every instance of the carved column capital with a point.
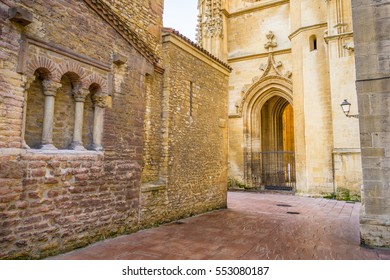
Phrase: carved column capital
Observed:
(79, 94)
(100, 100)
(50, 87)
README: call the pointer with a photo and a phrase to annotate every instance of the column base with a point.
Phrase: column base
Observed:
(76, 146)
(24, 145)
(48, 147)
(97, 148)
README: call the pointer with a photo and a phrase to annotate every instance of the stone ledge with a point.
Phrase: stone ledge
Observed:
(19, 151)
(63, 152)
(154, 186)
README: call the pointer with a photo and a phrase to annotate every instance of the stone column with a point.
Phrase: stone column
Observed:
(23, 134)
(79, 96)
(49, 90)
(100, 102)
(371, 22)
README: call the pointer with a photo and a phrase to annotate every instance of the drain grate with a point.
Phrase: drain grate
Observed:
(284, 205)
(293, 213)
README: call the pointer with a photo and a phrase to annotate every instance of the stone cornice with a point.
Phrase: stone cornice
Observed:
(338, 36)
(123, 29)
(257, 55)
(305, 28)
(189, 46)
(30, 40)
(260, 6)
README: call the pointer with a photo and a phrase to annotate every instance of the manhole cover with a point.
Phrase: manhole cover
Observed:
(283, 205)
(293, 213)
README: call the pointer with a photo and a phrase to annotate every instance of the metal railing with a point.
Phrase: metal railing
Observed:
(273, 170)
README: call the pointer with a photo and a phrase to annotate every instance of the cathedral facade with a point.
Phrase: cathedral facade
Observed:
(293, 65)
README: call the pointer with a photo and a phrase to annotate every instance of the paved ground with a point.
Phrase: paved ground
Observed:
(256, 226)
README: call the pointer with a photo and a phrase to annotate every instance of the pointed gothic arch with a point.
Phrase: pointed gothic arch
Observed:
(267, 112)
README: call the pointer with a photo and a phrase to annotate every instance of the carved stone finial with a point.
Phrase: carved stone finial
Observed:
(270, 44)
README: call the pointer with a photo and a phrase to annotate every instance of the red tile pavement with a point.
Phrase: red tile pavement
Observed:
(255, 226)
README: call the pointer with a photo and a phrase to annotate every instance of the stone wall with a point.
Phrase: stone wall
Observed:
(52, 201)
(143, 17)
(193, 166)
(153, 127)
(371, 24)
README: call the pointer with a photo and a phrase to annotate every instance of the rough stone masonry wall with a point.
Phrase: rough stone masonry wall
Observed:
(143, 16)
(371, 26)
(197, 146)
(51, 202)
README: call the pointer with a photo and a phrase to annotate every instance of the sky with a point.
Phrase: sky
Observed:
(182, 16)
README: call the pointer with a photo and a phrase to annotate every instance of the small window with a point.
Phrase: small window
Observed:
(313, 42)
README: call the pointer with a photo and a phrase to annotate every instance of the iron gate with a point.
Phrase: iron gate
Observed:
(273, 170)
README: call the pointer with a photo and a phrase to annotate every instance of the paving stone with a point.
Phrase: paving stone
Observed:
(253, 227)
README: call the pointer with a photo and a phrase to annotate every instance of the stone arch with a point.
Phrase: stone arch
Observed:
(45, 66)
(264, 88)
(35, 103)
(64, 108)
(70, 67)
(95, 80)
(255, 97)
(258, 93)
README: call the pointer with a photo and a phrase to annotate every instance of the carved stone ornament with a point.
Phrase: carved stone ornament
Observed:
(99, 100)
(350, 46)
(50, 87)
(79, 94)
(270, 44)
(271, 67)
(210, 24)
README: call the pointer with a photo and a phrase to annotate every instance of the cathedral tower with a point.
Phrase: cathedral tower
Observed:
(211, 29)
